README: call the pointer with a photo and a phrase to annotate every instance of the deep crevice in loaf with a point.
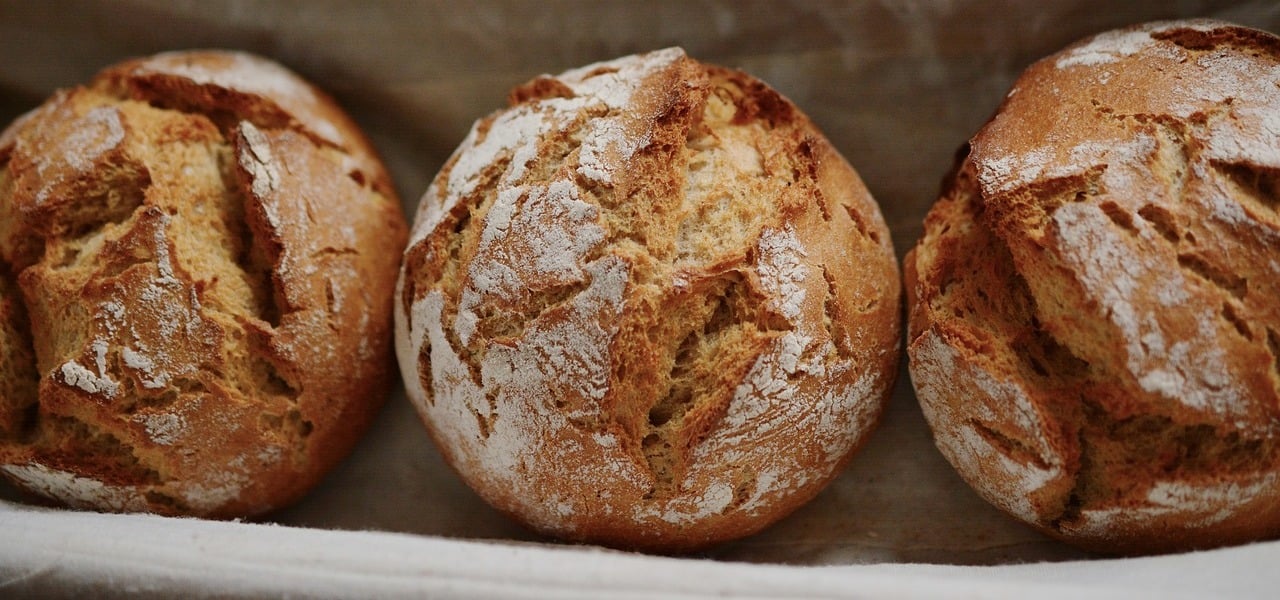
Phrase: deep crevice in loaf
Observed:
(841, 345)
(1009, 446)
(64, 437)
(1120, 454)
(695, 391)
(1122, 449)
(702, 373)
(721, 142)
(113, 203)
(1257, 189)
(1240, 39)
(227, 108)
(1207, 269)
(1273, 347)
(497, 323)
(19, 380)
(168, 503)
(1232, 315)
(1163, 221)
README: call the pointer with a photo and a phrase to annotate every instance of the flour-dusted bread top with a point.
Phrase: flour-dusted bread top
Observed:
(1095, 305)
(200, 251)
(648, 305)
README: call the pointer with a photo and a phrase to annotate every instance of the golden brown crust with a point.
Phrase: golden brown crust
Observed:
(649, 306)
(204, 248)
(1093, 304)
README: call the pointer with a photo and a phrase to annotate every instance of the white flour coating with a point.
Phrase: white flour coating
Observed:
(508, 133)
(1111, 46)
(1198, 504)
(93, 134)
(554, 359)
(140, 362)
(99, 348)
(1116, 275)
(613, 82)
(162, 303)
(605, 138)
(940, 376)
(538, 243)
(251, 75)
(612, 141)
(1009, 171)
(781, 270)
(515, 133)
(99, 131)
(1106, 48)
(515, 426)
(1117, 270)
(255, 156)
(217, 487)
(164, 262)
(1249, 131)
(163, 428)
(1225, 80)
(715, 499)
(364, 350)
(791, 387)
(334, 290)
(1122, 160)
(154, 368)
(76, 491)
(1170, 294)
(75, 375)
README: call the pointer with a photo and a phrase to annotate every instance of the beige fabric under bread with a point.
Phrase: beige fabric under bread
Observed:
(199, 253)
(648, 305)
(1095, 305)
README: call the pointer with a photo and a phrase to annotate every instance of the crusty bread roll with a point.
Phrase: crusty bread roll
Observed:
(200, 251)
(648, 305)
(1095, 304)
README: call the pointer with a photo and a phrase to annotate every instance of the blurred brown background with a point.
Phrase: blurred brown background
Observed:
(897, 86)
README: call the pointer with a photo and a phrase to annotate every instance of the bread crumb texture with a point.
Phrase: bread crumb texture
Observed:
(648, 305)
(1095, 304)
(199, 256)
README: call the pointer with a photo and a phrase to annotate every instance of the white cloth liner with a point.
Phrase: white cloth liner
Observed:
(148, 556)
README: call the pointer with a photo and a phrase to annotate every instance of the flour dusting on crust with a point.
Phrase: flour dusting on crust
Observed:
(538, 417)
(1127, 191)
(74, 490)
(248, 74)
(940, 377)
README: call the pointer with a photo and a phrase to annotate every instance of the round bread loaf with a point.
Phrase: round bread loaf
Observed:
(200, 253)
(648, 305)
(1095, 304)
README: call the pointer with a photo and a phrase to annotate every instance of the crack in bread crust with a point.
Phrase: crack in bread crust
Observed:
(1139, 246)
(612, 294)
(192, 288)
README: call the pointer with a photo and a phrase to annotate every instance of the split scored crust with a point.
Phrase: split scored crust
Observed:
(648, 305)
(199, 254)
(1093, 307)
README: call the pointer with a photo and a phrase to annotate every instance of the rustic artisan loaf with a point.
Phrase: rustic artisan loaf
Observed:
(199, 253)
(648, 305)
(1095, 304)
